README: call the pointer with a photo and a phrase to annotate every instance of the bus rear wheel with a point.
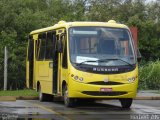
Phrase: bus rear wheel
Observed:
(69, 102)
(126, 102)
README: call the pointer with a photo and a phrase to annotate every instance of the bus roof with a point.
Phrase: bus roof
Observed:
(63, 24)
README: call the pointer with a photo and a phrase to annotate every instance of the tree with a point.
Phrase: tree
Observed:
(20, 17)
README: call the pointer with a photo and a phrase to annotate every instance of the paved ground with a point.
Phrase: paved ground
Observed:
(141, 95)
(100, 110)
(145, 107)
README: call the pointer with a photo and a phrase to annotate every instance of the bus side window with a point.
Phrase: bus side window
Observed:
(37, 48)
(30, 48)
(49, 46)
(42, 46)
(64, 60)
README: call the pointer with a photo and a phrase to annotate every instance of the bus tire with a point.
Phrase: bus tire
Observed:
(41, 95)
(86, 101)
(69, 102)
(126, 102)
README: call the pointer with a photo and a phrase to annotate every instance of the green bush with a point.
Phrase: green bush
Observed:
(149, 75)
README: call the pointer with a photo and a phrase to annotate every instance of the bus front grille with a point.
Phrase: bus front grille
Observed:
(97, 93)
(105, 83)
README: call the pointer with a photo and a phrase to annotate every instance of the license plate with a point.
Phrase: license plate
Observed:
(106, 89)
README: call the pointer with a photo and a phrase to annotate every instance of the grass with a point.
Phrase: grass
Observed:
(26, 92)
(149, 76)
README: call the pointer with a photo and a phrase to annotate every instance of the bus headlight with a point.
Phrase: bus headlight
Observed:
(132, 79)
(81, 79)
(77, 78)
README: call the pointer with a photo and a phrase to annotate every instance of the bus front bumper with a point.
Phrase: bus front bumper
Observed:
(82, 90)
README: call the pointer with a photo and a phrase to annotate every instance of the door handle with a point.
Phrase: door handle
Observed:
(50, 64)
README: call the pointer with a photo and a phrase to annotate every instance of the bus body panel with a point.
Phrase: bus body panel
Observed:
(77, 87)
(44, 76)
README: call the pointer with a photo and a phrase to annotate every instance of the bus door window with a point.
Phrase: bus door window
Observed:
(49, 46)
(31, 60)
(37, 48)
(56, 48)
(42, 46)
(64, 59)
(30, 48)
(55, 63)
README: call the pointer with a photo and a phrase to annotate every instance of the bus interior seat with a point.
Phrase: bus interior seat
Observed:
(107, 46)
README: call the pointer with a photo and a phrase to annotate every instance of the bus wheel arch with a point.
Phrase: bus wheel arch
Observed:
(38, 85)
(69, 102)
(63, 86)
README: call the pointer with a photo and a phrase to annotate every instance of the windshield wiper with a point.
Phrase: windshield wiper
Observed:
(104, 60)
(87, 61)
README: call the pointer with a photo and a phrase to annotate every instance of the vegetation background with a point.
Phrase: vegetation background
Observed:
(19, 17)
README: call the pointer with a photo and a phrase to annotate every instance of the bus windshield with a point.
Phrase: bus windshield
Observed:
(101, 46)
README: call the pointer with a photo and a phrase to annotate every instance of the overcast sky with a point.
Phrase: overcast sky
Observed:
(150, 0)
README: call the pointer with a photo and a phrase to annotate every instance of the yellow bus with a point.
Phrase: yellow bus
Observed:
(83, 61)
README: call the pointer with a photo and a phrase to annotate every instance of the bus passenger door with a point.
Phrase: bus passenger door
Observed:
(55, 64)
(62, 60)
(30, 63)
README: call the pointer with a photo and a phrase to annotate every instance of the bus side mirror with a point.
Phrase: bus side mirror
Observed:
(60, 49)
(139, 56)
